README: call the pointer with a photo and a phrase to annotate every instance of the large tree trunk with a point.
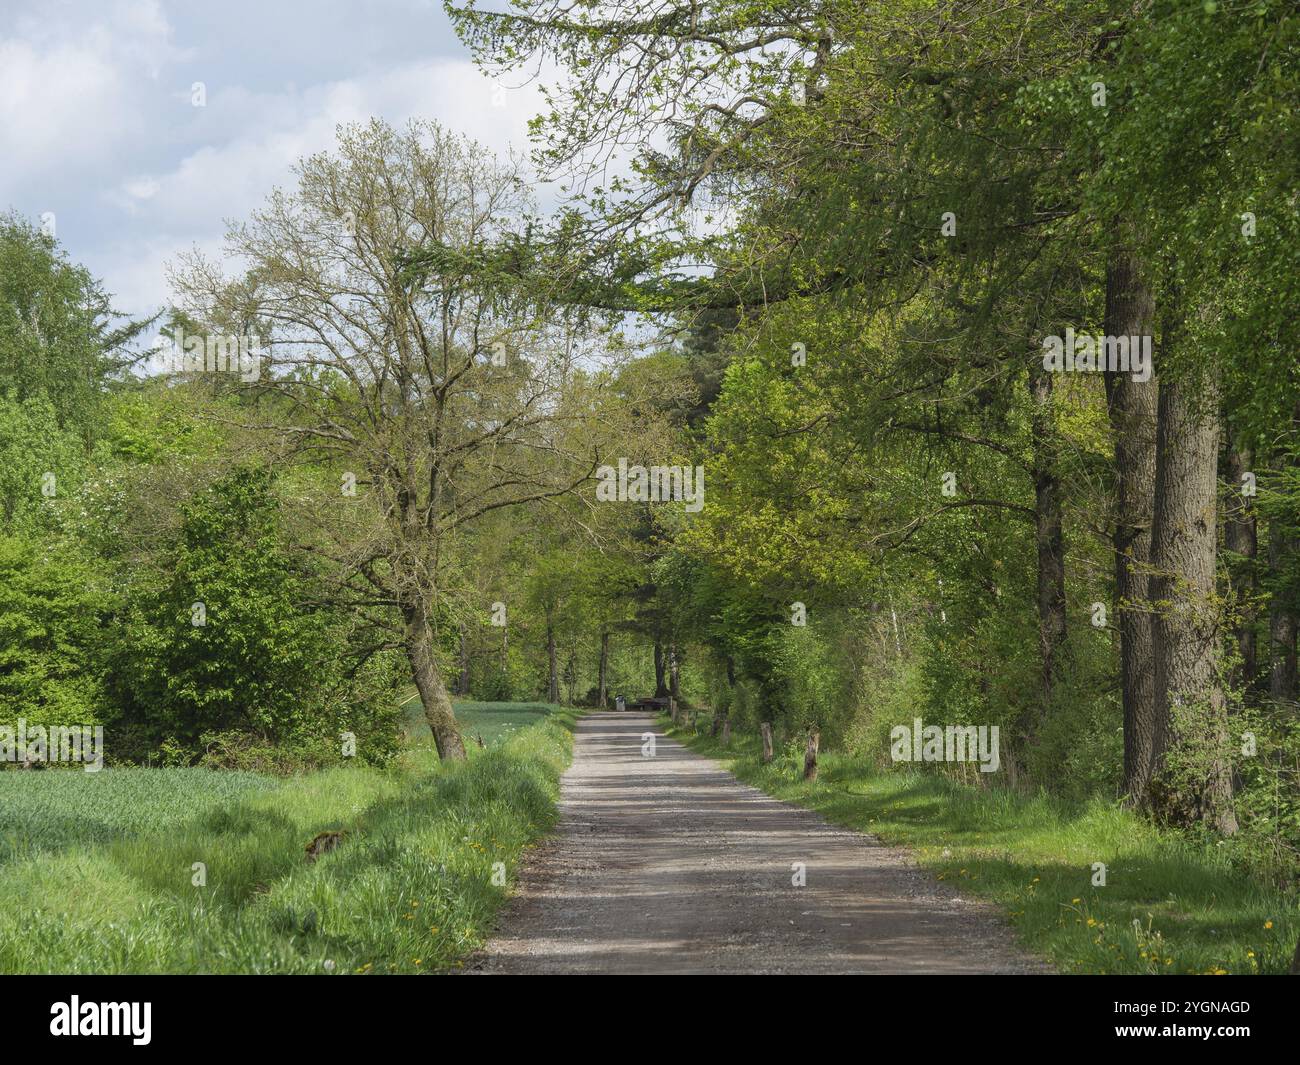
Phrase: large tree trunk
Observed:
(1241, 539)
(1130, 311)
(552, 659)
(604, 667)
(428, 679)
(661, 687)
(1186, 623)
(1048, 535)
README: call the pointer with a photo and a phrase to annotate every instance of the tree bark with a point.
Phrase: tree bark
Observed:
(429, 682)
(810, 755)
(674, 672)
(604, 668)
(1133, 407)
(766, 729)
(1186, 625)
(661, 688)
(1049, 535)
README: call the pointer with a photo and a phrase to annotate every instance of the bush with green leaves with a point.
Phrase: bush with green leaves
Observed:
(52, 622)
(232, 637)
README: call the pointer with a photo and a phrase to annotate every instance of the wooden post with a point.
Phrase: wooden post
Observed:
(810, 755)
(726, 732)
(672, 709)
(766, 729)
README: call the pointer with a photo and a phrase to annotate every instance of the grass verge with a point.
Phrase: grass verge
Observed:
(423, 866)
(1168, 905)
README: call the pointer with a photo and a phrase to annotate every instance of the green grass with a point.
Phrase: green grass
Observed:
(410, 889)
(493, 722)
(55, 809)
(1168, 906)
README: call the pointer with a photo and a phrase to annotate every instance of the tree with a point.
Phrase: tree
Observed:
(441, 400)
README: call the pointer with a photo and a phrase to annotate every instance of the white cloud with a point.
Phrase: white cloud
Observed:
(97, 125)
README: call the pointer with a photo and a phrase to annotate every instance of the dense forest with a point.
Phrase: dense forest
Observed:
(923, 363)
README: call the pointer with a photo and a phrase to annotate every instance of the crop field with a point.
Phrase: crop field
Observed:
(206, 871)
(492, 722)
(58, 809)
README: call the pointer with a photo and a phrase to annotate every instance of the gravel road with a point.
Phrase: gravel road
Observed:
(667, 864)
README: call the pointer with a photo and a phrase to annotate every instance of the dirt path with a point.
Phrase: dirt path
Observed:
(669, 865)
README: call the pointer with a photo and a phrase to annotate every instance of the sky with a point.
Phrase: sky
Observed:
(99, 131)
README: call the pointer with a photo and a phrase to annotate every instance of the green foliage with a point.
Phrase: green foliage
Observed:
(264, 657)
(52, 627)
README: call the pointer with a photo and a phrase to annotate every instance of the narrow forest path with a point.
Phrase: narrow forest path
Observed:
(668, 864)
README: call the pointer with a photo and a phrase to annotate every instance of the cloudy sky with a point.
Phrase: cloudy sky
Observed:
(98, 127)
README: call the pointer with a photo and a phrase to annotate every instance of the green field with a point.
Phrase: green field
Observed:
(492, 722)
(1168, 905)
(98, 872)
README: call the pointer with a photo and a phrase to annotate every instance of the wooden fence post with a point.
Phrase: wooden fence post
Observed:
(766, 729)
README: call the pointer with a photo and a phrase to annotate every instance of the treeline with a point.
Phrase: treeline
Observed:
(941, 240)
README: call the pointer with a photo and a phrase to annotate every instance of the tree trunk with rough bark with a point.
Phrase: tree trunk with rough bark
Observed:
(429, 682)
(1183, 553)
(1049, 535)
(1133, 409)
(661, 687)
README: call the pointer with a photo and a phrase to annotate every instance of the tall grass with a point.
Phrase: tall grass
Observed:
(1168, 904)
(412, 887)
